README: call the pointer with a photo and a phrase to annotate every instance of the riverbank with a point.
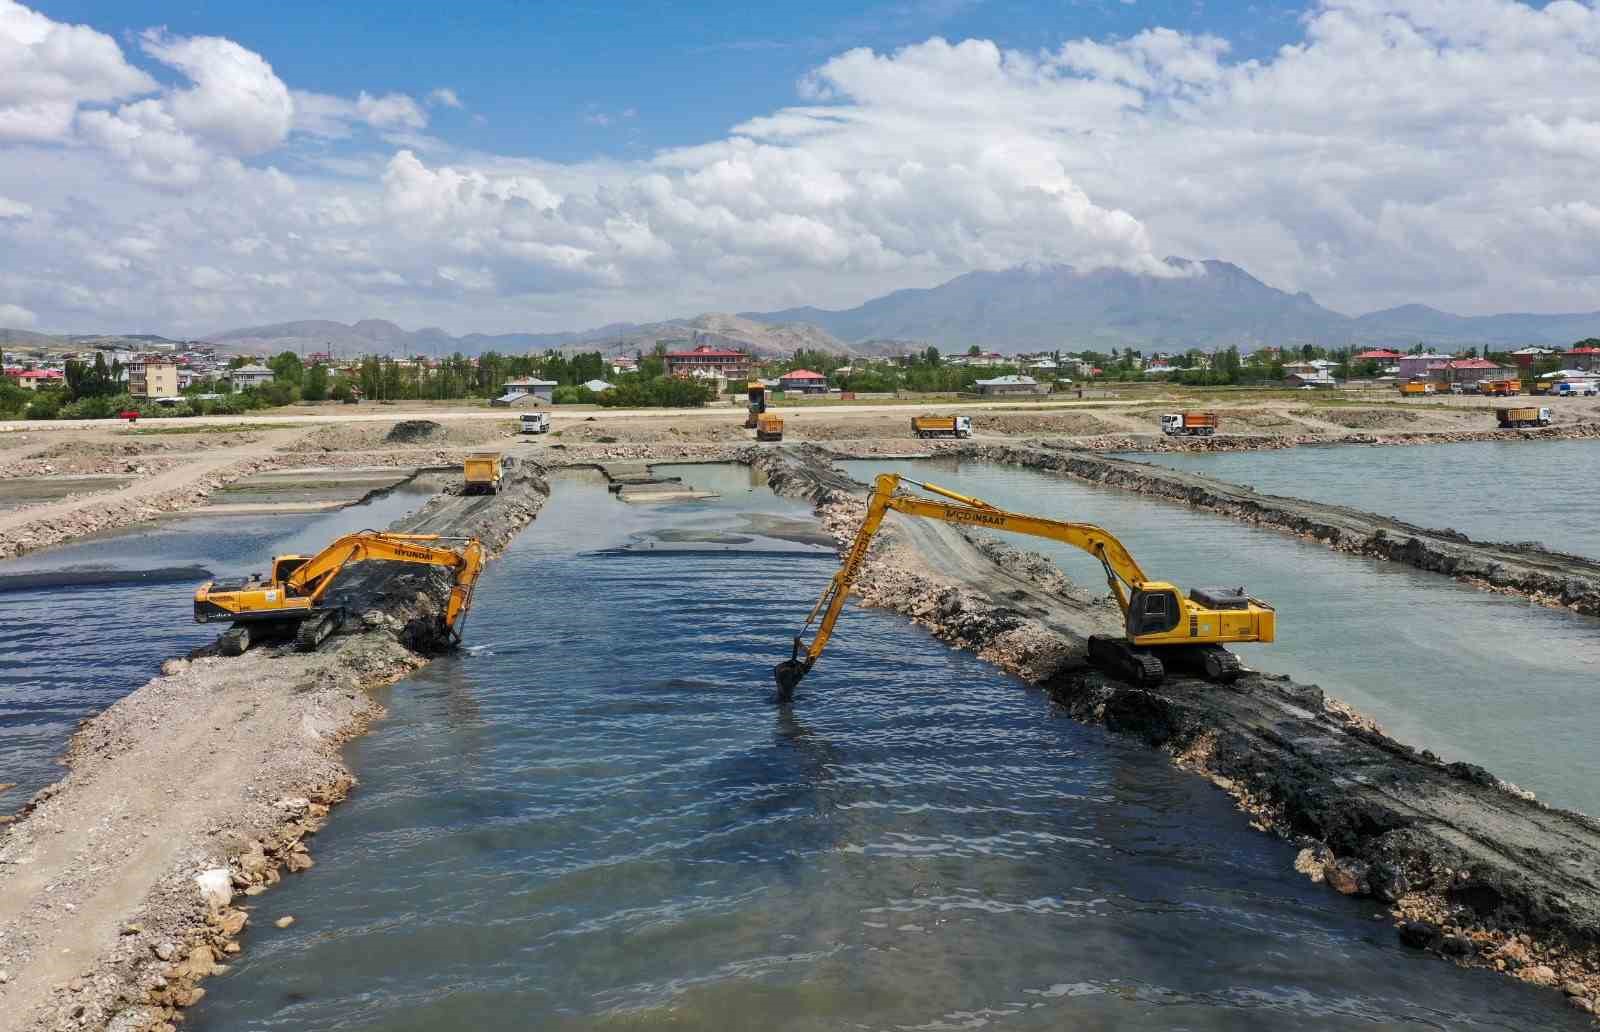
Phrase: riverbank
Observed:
(1466, 866)
(121, 880)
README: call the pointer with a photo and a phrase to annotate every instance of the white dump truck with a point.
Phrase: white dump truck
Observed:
(536, 422)
(1189, 424)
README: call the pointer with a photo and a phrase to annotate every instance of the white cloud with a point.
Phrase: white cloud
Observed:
(16, 317)
(1433, 150)
(10, 209)
(444, 97)
(48, 69)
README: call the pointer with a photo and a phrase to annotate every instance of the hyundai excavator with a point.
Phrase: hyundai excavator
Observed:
(293, 599)
(1163, 628)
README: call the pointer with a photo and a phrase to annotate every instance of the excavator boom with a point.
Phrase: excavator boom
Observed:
(1155, 614)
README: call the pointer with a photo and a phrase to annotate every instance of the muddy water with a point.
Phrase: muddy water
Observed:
(1544, 491)
(1471, 675)
(597, 819)
(68, 650)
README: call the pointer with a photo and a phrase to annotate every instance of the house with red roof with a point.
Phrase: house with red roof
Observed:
(708, 361)
(1583, 357)
(1377, 355)
(803, 381)
(1471, 370)
(38, 379)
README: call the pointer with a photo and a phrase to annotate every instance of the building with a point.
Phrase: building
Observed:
(803, 381)
(150, 377)
(1043, 365)
(620, 365)
(1583, 357)
(1315, 373)
(1011, 384)
(40, 379)
(1526, 357)
(1420, 367)
(730, 364)
(1471, 370)
(1159, 368)
(250, 376)
(598, 386)
(525, 390)
(1383, 356)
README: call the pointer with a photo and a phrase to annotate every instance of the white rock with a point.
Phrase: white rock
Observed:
(216, 886)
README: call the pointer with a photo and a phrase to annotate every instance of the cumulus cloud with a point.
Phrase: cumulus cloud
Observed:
(444, 97)
(1434, 150)
(48, 69)
(16, 317)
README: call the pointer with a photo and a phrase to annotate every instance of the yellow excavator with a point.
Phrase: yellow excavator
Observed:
(292, 599)
(1163, 628)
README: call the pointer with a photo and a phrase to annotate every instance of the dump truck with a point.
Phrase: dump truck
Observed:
(769, 427)
(1189, 424)
(296, 600)
(1162, 628)
(536, 422)
(1417, 388)
(755, 404)
(1500, 388)
(481, 473)
(941, 426)
(1528, 415)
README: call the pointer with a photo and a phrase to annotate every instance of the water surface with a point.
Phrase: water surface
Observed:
(1469, 674)
(597, 819)
(1544, 491)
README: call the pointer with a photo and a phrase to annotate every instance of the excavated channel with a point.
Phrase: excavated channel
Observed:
(1473, 676)
(596, 817)
(77, 631)
(1544, 491)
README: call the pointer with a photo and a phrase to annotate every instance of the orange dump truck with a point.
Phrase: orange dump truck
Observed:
(481, 473)
(1500, 388)
(1511, 418)
(941, 426)
(1417, 388)
(1189, 424)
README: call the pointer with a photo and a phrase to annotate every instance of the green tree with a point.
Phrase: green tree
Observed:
(287, 368)
(315, 385)
(974, 350)
(931, 356)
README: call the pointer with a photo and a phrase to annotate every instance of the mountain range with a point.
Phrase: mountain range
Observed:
(1204, 304)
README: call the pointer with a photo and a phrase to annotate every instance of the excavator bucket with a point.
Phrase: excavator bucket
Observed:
(789, 673)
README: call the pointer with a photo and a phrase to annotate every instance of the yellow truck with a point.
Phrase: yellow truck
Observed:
(1512, 418)
(1500, 388)
(769, 427)
(481, 473)
(1417, 388)
(941, 426)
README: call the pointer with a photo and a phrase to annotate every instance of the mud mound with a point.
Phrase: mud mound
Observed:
(1363, 419)
(1257, 419)
(1072, 424)
(414, 431)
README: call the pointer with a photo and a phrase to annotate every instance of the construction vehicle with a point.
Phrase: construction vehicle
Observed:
(1500, 388)
(1162, 628)
(769, 427)
(1189, 424)
(295, 600)
(941, 426)
(481, 473)
(756, 393)
(1416, 388)
(1511, 418)
(535, 422)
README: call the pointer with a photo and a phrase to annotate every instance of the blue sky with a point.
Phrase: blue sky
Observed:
(556, 80)
(184, 167)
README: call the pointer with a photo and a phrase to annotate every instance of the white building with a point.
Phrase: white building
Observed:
(1010, 384)
(250, 376)
(598, 386)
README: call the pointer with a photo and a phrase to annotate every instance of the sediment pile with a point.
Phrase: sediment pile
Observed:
(126, 883)
(1526, 570)
(1468, 867)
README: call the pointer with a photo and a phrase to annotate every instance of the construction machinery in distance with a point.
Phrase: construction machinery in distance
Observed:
(295, 600)
(941, 426)
(480, 474)
(1189, 424)
(756, 395)
(1162, 627)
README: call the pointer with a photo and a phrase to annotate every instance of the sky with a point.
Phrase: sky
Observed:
(189, 167)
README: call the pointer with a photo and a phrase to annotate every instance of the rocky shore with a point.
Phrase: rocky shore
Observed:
(128, 882)
(1467, 866)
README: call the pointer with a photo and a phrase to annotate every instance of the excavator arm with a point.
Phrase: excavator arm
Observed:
(1127, 581)
(1122, 571)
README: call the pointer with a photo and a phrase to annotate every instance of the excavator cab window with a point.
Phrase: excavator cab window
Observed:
(283, 568)
(1153, 612)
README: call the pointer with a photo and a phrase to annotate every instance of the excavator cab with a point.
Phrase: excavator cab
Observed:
(284, 565)
(1154, 610)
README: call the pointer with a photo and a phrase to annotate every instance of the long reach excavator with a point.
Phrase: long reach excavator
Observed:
(295, 599)
(1163, 628)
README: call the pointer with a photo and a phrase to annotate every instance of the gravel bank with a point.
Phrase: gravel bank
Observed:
(1469, 868)
(128, 882)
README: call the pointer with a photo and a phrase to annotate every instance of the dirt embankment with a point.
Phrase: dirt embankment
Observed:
(128, 882)
(1527, 570)
(1469, 868)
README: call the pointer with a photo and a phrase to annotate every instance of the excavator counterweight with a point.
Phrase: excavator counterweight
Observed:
(294, 600)
(1163, 629)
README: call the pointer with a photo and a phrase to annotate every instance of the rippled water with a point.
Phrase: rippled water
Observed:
(597, 819)
(1472, 675)
(68, 652)
(1544, 491)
